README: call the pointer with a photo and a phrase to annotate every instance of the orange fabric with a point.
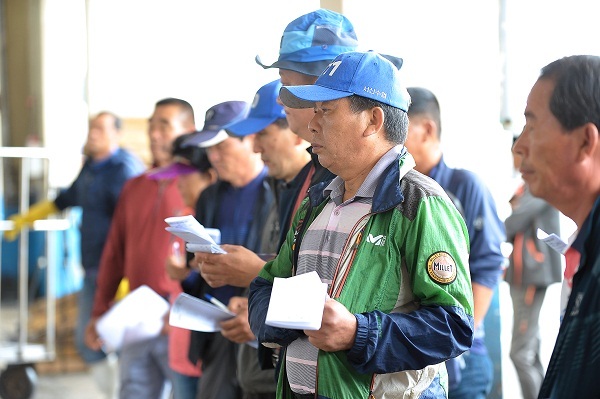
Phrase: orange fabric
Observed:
(518, 258)
(537, 255)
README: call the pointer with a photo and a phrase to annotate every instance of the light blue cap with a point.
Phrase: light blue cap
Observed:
(312, 40)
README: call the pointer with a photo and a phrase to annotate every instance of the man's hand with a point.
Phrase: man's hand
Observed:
(176, 268)
(91, 338)
(237, 267)
(38, 211)
(238, 328)
(338, 328)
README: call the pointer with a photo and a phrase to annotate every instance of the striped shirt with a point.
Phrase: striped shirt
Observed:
(321, 250)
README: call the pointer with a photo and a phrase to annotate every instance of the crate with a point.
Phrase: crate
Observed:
(67, 359)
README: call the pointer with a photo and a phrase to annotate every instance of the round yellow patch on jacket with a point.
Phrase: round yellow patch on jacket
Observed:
(441, 267)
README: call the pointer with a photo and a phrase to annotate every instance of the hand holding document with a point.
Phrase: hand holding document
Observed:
(198, 237)
(196, 314)
(297, 302)
(136, 317)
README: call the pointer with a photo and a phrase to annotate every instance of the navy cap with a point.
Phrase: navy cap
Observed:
(311, 41)
(366, 74)
(216, 118)
(264, 110)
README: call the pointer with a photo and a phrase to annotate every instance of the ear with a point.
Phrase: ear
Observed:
(212, 172)
(589, 140)
(430, 129)
(375, 118)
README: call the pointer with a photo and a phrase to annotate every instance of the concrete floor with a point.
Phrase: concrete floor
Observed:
(67, 386)
(80, 385)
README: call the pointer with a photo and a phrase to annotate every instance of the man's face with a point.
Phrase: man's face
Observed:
(278, 149)
(547, 152)
(337, 133)
(230, 156)
(166, 124)
(416, 139)
(297, 118)
(103, 136)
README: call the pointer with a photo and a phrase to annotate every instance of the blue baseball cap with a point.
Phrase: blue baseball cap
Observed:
(263, 111)
(311, 41)
(366, 74)
(215, 119)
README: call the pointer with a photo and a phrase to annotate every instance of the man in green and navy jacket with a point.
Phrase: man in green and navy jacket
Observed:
(386, 239)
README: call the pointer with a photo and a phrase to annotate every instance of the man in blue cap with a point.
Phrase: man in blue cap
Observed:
(386, 239)
(284, 153)
(238, 204)
(309, 43)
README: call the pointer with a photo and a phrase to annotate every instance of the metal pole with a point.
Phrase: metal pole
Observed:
(23, 259)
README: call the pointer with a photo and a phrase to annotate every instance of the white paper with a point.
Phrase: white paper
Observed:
(196, 314)
(198, 237)
(138, 316)
(553, 241)
(297, 302)
(212, 248)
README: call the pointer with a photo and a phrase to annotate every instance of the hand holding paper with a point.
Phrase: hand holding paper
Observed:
(198, 238)
(297, 302)
(338, 328)
(196, 314)
(136, 317)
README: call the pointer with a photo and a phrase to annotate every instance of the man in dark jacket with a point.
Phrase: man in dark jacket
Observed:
(471, 375)
(238, 204)
(96, 190)
(560, 161)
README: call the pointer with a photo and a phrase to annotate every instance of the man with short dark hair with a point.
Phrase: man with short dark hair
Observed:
(238, 204)
(386, 239)
(137, 248)
(284, 153)
(559, 150)
(471, 374)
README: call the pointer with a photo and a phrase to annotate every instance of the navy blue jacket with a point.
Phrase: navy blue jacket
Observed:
(207, 210)
(573, 368)
(96, 190)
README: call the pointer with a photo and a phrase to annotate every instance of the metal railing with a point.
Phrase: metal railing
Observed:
(22, 351)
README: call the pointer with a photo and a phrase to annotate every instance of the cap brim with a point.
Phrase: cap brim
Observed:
(249, 126)
(307, 96)
(206, 138)
(171, 171)
(397, 61)
(313, 68)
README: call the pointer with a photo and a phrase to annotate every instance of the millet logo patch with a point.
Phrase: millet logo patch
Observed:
(441, 267)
